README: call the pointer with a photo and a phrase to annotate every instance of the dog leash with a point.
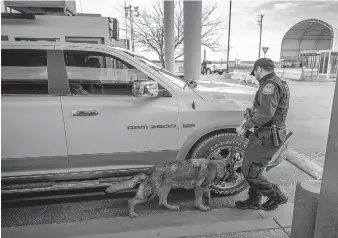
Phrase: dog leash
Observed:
(235, 157)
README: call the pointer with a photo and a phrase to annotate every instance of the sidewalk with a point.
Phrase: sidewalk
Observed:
(224, 220)
(244, 223)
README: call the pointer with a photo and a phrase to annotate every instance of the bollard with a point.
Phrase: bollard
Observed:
(305, 209)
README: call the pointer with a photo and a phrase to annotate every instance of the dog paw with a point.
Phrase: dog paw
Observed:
(204, 208)
(175, 208)
(171, 207)
(133, 215)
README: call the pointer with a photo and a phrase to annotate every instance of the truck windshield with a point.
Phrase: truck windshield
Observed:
(168, 75)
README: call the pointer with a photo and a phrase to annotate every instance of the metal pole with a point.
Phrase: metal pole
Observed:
(169, 40)
(131, 28)
(125, 18)
(229, 38)
(192, 39)
(260, 37)
(313, 64)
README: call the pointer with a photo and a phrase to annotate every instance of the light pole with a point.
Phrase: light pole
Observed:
(235, 60)
(260, 23)
(229, 37)
(133, 11)
(227, 52)
(125, 17)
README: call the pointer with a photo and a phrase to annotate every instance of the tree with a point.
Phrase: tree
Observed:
(149, 29)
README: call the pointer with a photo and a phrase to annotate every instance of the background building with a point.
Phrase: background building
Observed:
(312, 44)
(57, 21)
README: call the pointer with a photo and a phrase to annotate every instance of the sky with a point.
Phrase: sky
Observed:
(279, 17)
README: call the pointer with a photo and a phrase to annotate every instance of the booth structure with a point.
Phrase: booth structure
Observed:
(312, 45)
(327, 68)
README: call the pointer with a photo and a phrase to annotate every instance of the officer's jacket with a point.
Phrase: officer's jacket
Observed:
(271, 103)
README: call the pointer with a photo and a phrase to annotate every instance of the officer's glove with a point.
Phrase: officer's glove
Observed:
(240, 130)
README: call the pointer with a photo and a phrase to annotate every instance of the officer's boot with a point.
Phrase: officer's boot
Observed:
(253, 202)
(274, 201)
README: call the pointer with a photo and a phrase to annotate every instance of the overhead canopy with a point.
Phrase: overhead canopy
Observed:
(308, 35)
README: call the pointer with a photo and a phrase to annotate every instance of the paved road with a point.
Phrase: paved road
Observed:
(309, 115)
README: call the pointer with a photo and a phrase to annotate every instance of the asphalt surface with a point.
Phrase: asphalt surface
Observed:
(309, 117)
(286, 175)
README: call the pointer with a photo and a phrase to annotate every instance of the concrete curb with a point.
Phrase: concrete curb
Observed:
(194, 230)
(309, 81)
(304, 162)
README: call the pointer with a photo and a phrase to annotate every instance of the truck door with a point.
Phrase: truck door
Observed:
(108, 128)
(33, 137)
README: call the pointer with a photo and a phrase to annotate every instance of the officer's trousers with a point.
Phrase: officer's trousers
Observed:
(256, 158)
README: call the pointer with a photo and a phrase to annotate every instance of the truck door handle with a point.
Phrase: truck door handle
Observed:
(85, 112)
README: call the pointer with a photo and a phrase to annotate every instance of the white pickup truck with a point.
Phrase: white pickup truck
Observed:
(76, 115)
(216, 67)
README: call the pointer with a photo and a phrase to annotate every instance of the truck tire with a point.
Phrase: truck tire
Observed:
(209, 71)
(220, 144)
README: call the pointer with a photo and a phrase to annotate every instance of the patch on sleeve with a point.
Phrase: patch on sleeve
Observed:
(268, 89)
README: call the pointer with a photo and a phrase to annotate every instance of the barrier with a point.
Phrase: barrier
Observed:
(295, 74)
(305, 74)
(242, 75)
(305, 209)
(310, 74)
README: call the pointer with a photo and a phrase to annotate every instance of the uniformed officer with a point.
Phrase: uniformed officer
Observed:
(204, 67)
(268, 117)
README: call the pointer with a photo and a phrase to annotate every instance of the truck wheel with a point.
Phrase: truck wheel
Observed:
(218, 146)
(208, 71)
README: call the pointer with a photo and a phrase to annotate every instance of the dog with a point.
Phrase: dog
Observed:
(198, 174)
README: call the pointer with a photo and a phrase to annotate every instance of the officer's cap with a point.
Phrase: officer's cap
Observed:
(266, 62)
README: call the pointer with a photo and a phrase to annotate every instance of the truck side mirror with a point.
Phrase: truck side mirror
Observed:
(147, 88)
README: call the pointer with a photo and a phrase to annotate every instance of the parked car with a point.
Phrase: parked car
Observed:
(77, 115)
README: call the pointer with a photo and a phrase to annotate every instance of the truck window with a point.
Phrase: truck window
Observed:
(24, 71)
(91, 73)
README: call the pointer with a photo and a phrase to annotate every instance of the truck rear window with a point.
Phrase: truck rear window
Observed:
(24, 71)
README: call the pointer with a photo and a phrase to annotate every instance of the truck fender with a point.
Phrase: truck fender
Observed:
(203, 131)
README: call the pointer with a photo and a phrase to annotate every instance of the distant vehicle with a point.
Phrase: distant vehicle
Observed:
(216, 67)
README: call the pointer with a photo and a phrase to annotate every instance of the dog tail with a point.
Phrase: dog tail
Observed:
(127, 184)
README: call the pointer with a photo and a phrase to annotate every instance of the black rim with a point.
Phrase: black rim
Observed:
(223, 153)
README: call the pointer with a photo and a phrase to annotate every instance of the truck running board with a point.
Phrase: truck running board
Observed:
(59, 186)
